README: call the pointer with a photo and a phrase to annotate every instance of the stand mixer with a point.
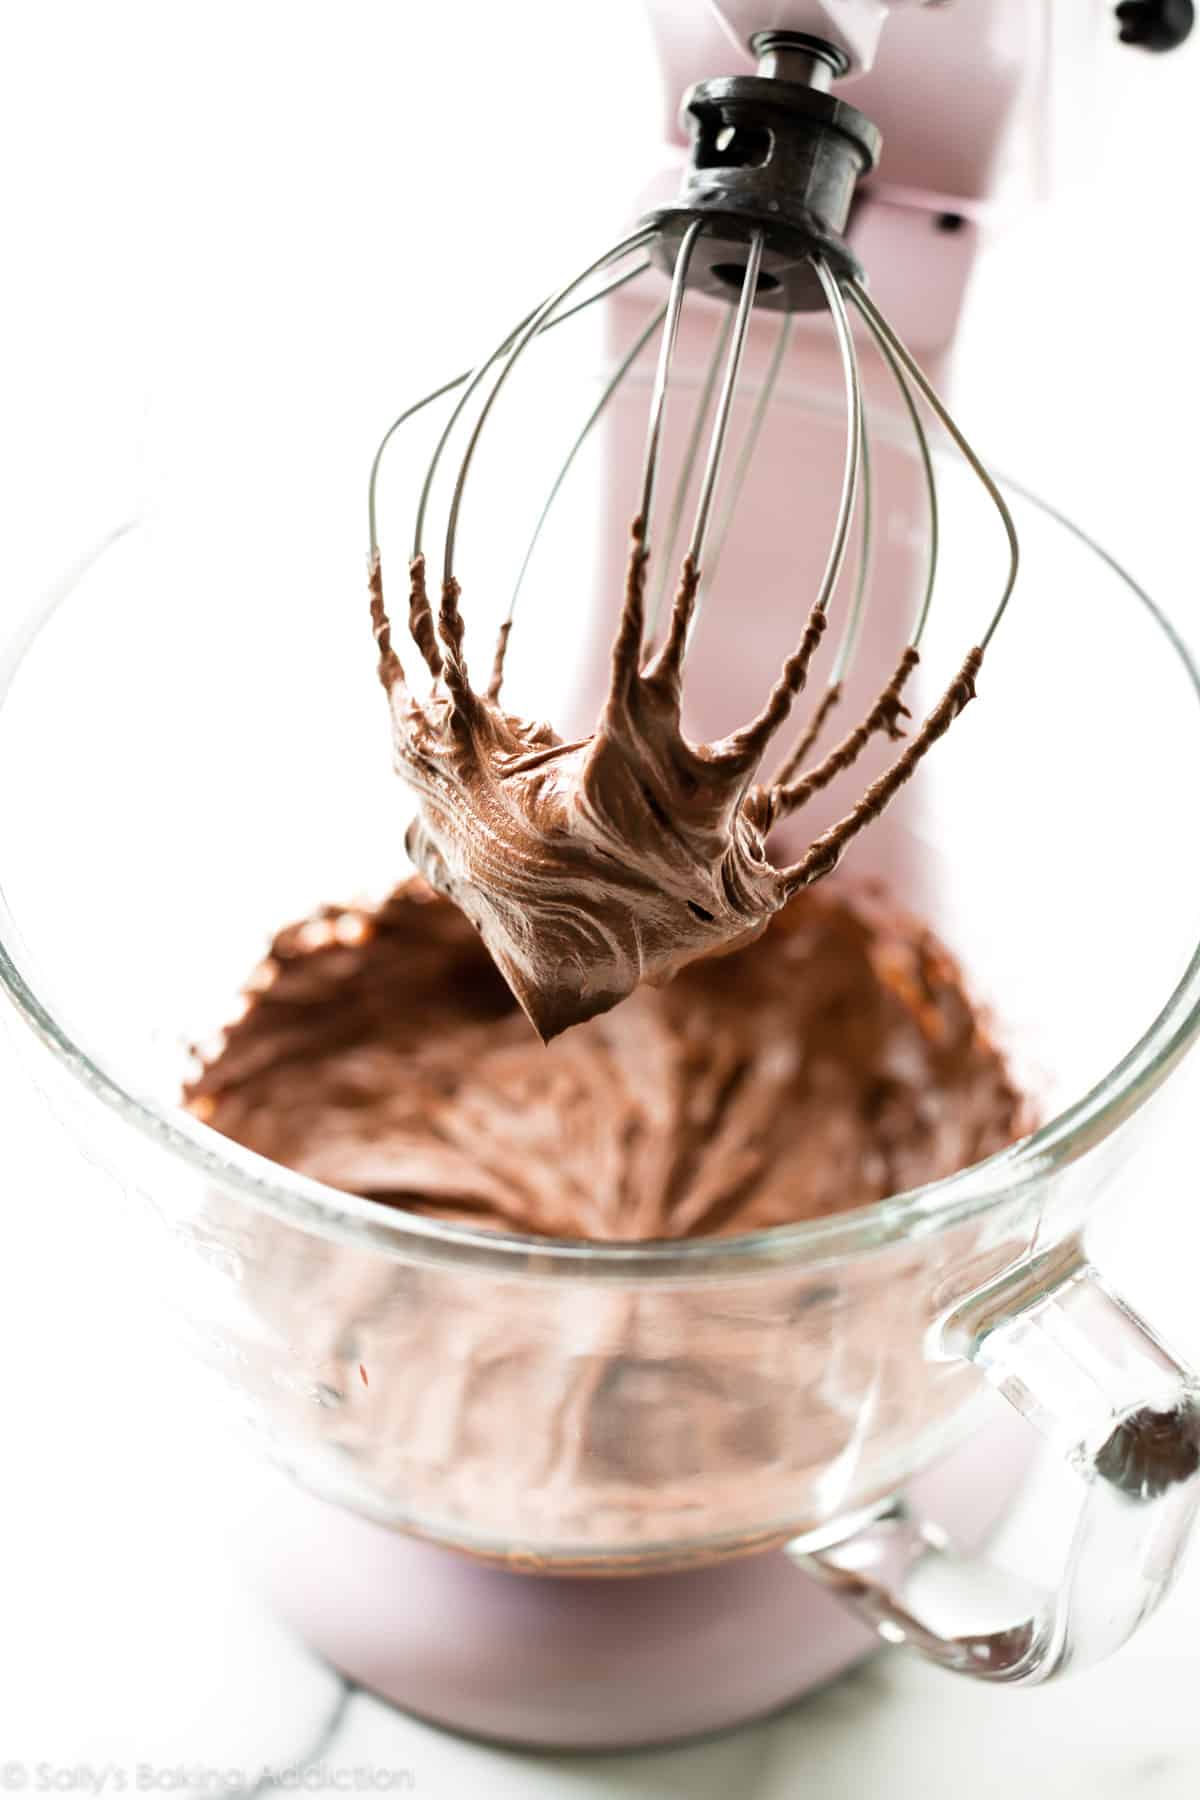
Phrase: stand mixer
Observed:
(769, 221)
(746, 1507)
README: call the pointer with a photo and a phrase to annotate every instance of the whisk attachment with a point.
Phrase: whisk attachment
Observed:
(777, 158)
(592, 865)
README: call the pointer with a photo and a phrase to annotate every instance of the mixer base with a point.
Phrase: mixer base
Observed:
(580, 1662)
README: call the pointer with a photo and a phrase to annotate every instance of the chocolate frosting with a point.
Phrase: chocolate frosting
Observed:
(591, 1426)
(589, 867)
(830, 1062)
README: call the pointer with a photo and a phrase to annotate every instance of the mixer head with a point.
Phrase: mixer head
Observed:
(590, 866)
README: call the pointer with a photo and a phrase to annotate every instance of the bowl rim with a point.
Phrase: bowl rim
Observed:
(328, 1212)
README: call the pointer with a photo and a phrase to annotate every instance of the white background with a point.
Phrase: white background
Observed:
(250, 228)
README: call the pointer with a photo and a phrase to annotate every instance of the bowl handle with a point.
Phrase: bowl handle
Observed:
(1092, 1377)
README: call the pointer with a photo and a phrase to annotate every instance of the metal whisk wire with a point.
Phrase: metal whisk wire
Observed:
(737, 482)
(508, 358)
(716, 442)
(610, 388)
(885, 336)
(474, 376)
(687, 470)
(856, 489)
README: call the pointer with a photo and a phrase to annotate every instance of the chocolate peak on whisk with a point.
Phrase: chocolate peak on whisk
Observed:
(592, 866)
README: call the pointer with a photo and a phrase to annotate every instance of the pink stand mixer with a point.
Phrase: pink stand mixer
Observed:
(797, 1452)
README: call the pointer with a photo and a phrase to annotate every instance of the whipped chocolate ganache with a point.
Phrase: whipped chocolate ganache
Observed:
(590, 867)
(599, 1428)
(832, 1061)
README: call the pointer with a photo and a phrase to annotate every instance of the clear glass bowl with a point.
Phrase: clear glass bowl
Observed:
(211, 760)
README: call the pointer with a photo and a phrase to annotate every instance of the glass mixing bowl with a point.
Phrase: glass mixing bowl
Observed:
(193, 751)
